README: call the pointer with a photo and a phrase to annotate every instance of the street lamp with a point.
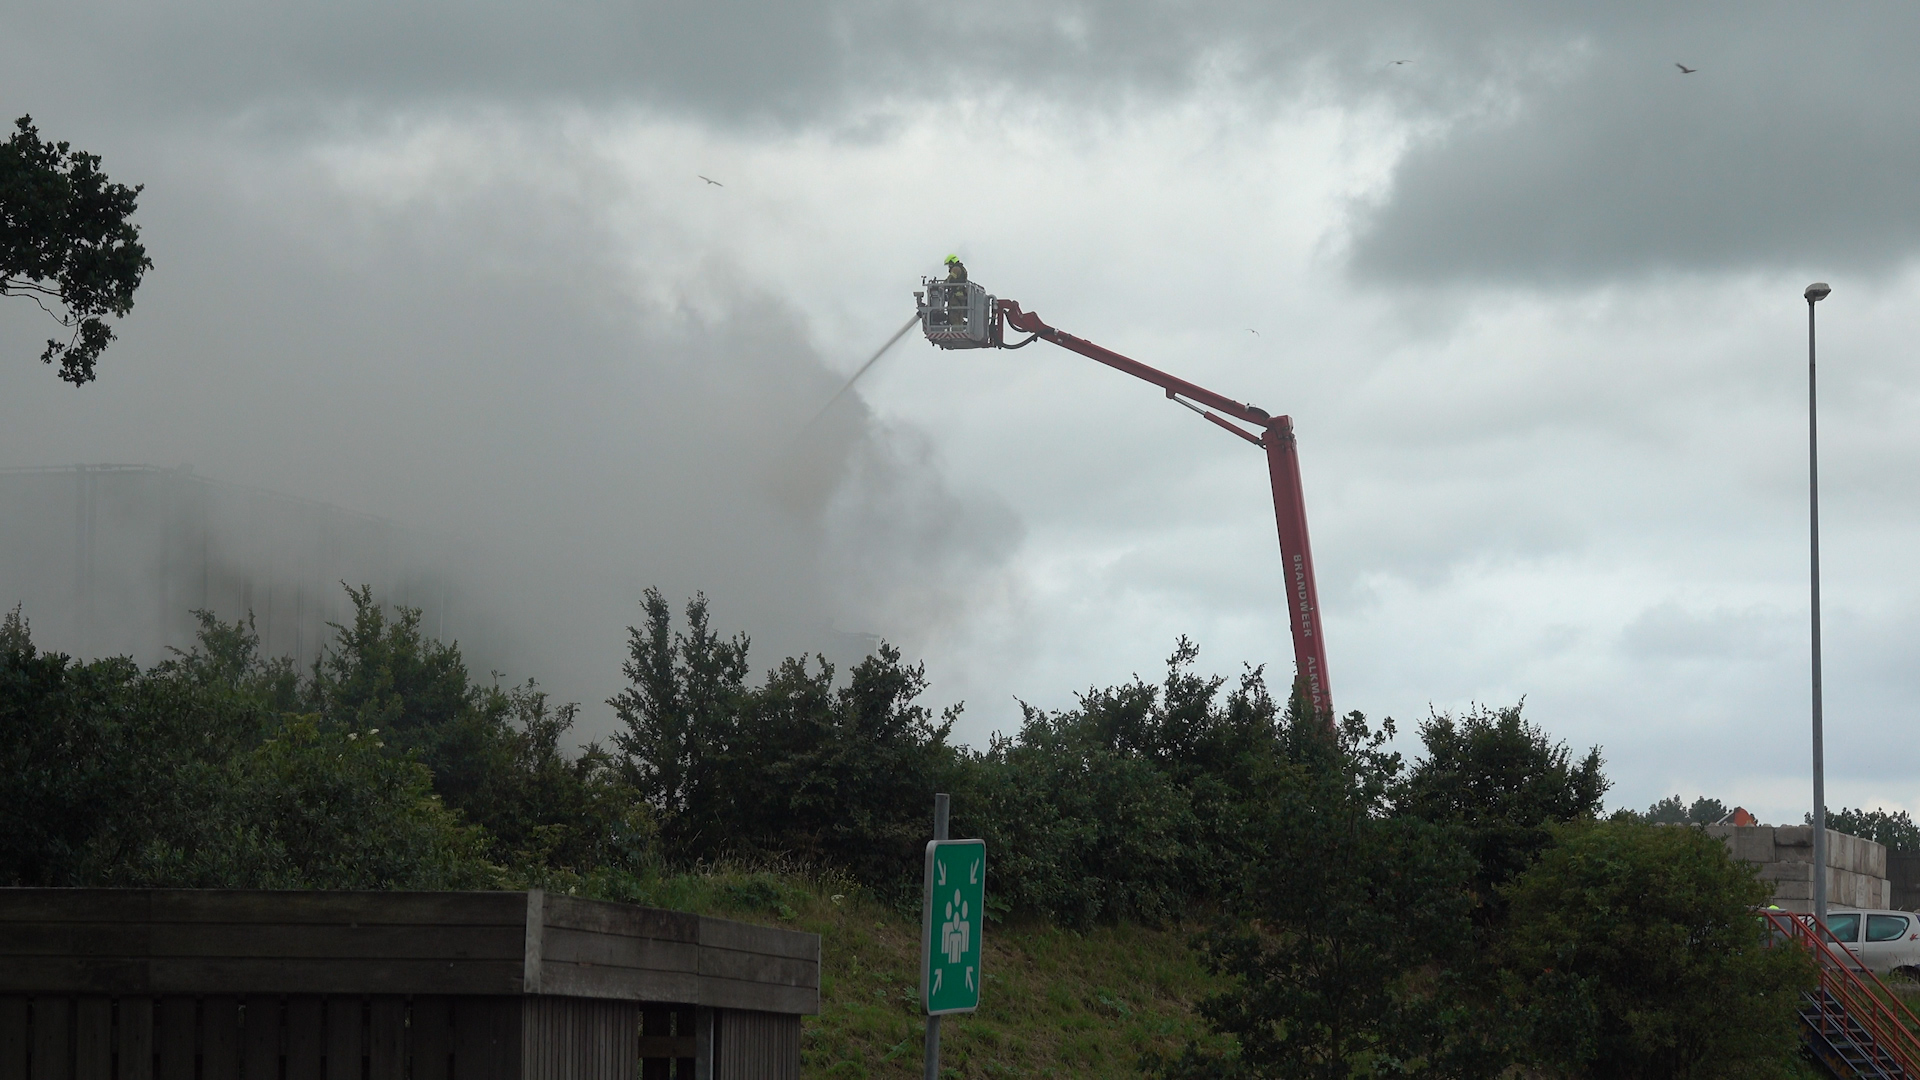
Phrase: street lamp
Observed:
(1815, 293)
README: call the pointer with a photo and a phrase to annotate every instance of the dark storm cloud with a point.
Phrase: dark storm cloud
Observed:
(1562, 143)
(801, 60)
(1794, 144)
(725, 57)
(721, 60)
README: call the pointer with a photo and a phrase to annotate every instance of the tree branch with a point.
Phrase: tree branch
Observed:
(21, 289)
(63, 320)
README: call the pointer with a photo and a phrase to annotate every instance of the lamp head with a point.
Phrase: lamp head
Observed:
(1817, 292)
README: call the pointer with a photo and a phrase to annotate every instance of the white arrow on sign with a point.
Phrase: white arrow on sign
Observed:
(973, 875)
(936, 980)
(941, 869)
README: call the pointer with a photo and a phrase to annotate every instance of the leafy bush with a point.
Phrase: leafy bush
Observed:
(1465, 916)
(185, 776)
(339, 812)
(1138, 804)
(386, 768)
(1635, 951)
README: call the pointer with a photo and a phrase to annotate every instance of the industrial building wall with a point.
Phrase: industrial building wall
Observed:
(113, 559)
(1903, 875)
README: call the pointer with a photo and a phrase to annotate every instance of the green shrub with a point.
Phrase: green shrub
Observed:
(1635, 951)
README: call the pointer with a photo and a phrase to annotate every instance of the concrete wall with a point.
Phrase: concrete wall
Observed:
(1856, 868)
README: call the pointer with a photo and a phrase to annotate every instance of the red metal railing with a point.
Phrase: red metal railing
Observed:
(1854, 996)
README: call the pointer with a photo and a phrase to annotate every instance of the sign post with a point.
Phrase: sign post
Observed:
(952, 920)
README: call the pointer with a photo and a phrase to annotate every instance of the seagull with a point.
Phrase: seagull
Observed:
(1684, 69)
(1391, 63)
(711, 180)
(1252, 331)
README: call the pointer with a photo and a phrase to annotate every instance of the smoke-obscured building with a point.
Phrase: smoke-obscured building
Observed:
(113, 560)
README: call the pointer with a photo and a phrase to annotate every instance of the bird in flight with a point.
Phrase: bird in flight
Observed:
(1391, 63)
(1684, 69)
(711, 180)
(1252, 331)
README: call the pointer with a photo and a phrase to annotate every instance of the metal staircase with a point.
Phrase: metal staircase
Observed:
(1853, 1024)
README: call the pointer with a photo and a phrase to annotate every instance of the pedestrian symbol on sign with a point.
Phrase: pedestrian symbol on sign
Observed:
(954, 932)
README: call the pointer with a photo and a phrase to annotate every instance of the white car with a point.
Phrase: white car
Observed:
(1884, 940)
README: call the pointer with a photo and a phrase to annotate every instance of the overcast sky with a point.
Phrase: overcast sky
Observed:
(1532, 298)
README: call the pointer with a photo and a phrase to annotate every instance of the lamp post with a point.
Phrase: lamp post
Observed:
(1815, 293)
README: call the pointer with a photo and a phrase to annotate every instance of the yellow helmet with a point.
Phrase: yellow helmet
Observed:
(951, 259)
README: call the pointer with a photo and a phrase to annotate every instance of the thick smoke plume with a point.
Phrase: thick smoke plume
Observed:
(495, 352)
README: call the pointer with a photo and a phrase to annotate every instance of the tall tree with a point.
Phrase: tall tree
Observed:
(66, 237)
(1136, 804)
(684, 691)
(1352, 917)
(493, 754)
(1895, 829)
(1673, 810)
(840, 775)
(796, 766)
(1496, 785)
(1500, 782)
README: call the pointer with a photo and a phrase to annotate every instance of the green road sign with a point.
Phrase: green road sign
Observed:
(951, 925)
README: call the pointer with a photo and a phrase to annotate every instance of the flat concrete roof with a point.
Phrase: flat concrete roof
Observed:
(219, 941)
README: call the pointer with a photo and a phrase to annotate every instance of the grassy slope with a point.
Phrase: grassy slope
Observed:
(1056, 1002)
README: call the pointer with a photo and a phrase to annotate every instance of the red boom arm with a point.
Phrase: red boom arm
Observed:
(1283, 467)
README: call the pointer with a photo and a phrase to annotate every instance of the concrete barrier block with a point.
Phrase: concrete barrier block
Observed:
(1858, 854)
(1843, 852)
(1782, 856)
(1851, 889)
(1752, 844)
(1843, 894)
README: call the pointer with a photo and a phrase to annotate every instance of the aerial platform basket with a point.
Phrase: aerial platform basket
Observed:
(958, 315)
